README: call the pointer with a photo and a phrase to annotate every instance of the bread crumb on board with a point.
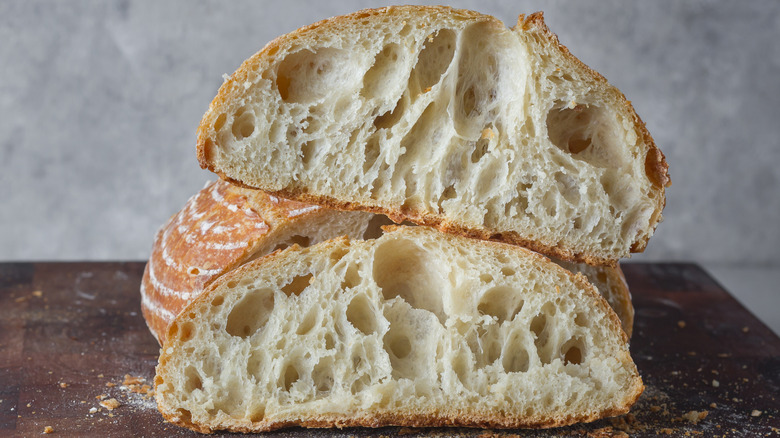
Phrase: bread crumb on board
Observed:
(48, 429)
(756, 413)
(110, 404)
(695, 416)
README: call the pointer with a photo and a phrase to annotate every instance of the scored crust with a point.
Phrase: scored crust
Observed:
(411, 418)
(656, 168)
(220, 228)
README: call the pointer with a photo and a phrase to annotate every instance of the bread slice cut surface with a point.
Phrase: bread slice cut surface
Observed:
(415, 328)
(447, 118)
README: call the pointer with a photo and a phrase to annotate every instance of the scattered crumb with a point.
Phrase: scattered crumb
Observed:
(100, 376)
(110, 384)
(28, 405)
(655, 408)
(20, 300)
(713, 405)
(92, 410)
(48, 429)
(715, 383)
(63, 385)
(681, 324)
(131, 380)
(755, 413)
(745, 329)
(101, 396)
(110, 404)
(695, 416)
(37, 293)
(691, 353)
(724, 355)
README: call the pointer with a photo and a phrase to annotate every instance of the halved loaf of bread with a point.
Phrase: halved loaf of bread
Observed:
(446, 118)
(416, 328)
(224, 226)
(220, 228)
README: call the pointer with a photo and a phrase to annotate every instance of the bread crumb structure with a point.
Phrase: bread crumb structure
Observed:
(416, 328)
(447, 118)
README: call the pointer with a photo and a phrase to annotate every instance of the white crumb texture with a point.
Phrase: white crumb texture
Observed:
(415, 323)
(465, 120)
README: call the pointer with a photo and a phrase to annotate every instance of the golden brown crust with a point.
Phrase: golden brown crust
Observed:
(617, 282)
(218, 229)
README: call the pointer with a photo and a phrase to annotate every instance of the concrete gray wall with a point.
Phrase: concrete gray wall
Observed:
(99, 102)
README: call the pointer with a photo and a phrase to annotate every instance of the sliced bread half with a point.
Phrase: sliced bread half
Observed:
(416, 328)
(446, 118)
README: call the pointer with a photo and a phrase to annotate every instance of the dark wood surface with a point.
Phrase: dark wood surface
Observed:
(70, 332)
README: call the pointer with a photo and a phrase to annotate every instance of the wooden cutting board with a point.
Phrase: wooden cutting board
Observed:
(70, 333)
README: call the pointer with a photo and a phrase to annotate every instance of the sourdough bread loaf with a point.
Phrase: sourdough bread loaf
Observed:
(415, 328)
(220, 228)
(447, 118)
(224, 226)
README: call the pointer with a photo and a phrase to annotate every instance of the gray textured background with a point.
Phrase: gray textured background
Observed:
(99, 102)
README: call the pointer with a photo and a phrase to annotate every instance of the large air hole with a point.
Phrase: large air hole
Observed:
(568, 187)
(433, 60)
(399, 349)
(255, 366)
(243, 123)
(541, 329)
(371, 153)
(310, 150)
(187, 331)
(192, 379)
(306, 76)
(485, 70)
(403, 269)
(515, 356)
(323, 374)
(289, 376)
(588, 133)
(384, 76)
(308, 323)
(573, 351)
(390, 118)
(250, 313)
(361, 315)
(351, 277)
(501, 302)
(297, 285)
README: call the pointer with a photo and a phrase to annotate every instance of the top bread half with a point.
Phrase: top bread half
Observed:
(446, 118)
